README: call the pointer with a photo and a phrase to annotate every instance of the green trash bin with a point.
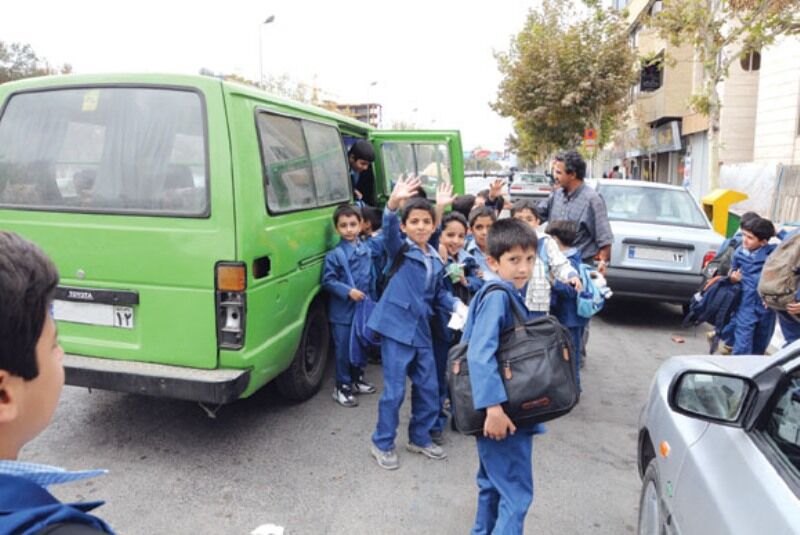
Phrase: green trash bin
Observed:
(734, 220)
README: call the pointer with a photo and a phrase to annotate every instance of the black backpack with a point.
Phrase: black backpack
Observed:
(721, 263)
(715, 304)
(535, 362)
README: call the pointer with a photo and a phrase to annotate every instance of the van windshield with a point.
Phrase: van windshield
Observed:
(108, 149)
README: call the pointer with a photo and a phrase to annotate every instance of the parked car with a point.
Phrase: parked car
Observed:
(534, 186)
(719, 446)
(662, 240)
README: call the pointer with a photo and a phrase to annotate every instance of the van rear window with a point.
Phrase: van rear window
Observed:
(105, 149)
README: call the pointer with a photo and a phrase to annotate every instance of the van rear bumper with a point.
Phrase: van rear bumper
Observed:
(177, 382)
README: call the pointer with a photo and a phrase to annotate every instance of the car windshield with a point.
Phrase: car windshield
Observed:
(534, 178)
(652, 205)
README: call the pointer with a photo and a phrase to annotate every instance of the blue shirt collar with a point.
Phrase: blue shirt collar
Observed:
(44, 475)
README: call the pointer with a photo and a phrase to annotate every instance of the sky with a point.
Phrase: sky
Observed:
(432, 61)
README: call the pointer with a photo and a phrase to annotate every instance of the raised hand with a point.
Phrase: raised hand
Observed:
(496, 188)
(444, 194)
(404, 189)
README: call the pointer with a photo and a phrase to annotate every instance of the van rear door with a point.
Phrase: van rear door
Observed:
(432, 155)
(127, 187)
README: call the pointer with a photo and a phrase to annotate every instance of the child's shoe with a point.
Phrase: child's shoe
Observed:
(725, 349)
(343, 395)
(362, 387)
(386, 459)
(710, 335)
(431, 451)
(437, 437)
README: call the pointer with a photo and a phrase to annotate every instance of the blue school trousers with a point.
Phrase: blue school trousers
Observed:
(345, 372)
(505, 484)
(399, 361)
(440, 349)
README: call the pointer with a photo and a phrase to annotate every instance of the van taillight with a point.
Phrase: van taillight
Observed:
(231, 304)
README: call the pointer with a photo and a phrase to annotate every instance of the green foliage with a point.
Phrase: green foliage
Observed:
(18, 60)
(562, 73)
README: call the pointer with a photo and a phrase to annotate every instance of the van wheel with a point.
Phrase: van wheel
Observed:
(652, 520)
(303, 378)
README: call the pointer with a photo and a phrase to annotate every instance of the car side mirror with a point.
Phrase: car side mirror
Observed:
(710, 396)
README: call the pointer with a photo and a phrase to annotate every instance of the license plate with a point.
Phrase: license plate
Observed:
(93, 314)
(673, 256)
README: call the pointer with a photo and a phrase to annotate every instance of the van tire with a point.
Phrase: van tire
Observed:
(303, 378)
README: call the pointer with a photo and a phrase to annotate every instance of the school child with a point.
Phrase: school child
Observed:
(505, 473)
(480, 221)
(402, 317)
(460, 276)
(31, 379)
(550, 263)
(754, 322)
(464, 204)
(346, 278)
(565, 296)
(373, 237)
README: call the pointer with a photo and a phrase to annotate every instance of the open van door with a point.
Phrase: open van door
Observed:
(432, 155)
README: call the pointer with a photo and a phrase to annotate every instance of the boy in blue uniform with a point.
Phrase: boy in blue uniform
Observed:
(346, 276)
(402, 317)
(565, 296)
(754, 322)
(480, 221)
(505, 473)
(31, 377)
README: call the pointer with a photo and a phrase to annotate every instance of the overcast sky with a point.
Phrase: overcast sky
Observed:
(434, 56)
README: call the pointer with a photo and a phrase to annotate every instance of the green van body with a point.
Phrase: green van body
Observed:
(160, 264)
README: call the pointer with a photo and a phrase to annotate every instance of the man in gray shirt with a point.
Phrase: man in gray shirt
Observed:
(575, 201)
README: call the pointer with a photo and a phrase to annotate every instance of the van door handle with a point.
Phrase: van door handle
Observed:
(261, 267)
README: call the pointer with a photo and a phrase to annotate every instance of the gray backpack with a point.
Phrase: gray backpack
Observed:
(778, 282)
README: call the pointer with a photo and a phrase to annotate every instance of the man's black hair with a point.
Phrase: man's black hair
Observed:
(28, 279)
(362, 150)
(463, 204)
(747, 219)
(762, 228)
(455, 216)
(417, 203)
(573, 163)
(373, 215)
(525, 204)
(565, 231)
(483, 211)
(509, 233)
(345, 210)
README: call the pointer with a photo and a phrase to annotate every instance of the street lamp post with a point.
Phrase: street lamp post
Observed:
(269, 19)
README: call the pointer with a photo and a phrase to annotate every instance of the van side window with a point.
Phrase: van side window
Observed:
(304, 163)
(110, 150)
(429, 161)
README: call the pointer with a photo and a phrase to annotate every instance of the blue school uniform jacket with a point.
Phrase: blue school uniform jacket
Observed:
(334, 279)
(751, 264)
(414, 294)
(564, 298)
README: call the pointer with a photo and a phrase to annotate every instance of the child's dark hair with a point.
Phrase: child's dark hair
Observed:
(362, 150)
(416, 203)
(483, 211)
(373, 215)
(509, 233)
(525, 204)
(463, 204)
(747, 219)
(420, 193)
(28, 279)
(345, 210)
(762, 228)
(457, 217)
(564, 231)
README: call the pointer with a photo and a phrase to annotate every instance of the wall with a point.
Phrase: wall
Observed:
(739, 95)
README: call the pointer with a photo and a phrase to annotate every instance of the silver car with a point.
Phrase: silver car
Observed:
(662, 240)
(719, 446)
(534, 186)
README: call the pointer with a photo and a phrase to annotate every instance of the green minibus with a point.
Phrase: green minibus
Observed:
(189, 218)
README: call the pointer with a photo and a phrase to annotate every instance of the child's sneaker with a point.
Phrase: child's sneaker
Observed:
(386, 459)
(437, 437)
(343, 395)
(431, 451)
(362, 387)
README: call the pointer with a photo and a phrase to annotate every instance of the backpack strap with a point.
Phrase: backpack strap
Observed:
(519, 319)
(397, 262)
(340, 254)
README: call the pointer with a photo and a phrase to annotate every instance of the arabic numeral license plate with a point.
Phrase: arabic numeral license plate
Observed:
(659, 254)
(94, 314)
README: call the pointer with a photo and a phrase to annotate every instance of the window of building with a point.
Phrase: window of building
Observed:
(652, 74)
(751, 61)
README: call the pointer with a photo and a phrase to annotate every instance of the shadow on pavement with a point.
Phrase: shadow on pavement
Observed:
(630, 312)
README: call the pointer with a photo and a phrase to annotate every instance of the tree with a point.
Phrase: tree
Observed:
(18, 60)
(721, 32)
(562, 73)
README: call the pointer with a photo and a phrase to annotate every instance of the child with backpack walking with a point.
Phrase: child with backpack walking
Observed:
(480, 221)
(505, 473)
(347, 279)
(754, 322)
(565, 296)
(402, 317)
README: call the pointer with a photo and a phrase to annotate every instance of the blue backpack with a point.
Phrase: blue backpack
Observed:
(590, 299)
(714, 304)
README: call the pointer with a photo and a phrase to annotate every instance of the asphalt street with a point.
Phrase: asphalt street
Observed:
(307, 468)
